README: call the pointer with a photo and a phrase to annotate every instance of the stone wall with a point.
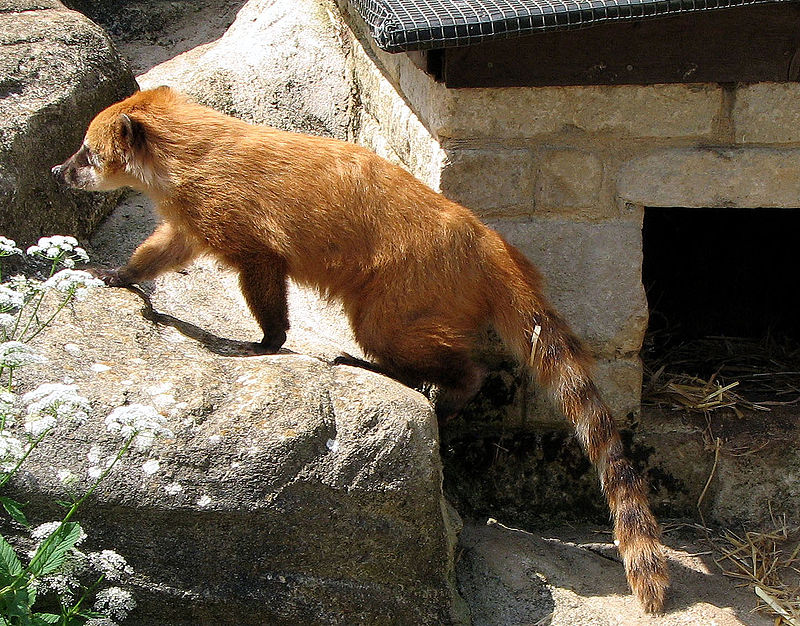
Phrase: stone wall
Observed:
(565, 173)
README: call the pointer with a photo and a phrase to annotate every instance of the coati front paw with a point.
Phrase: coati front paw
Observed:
(112, 278)
(272, 343)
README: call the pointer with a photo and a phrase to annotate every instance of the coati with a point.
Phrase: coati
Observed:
(420, 277)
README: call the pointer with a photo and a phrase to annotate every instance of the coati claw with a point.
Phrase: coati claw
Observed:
(111, 278)
(271, 345)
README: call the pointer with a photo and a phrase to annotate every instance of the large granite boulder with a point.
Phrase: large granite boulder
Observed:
(293, 492)
(57, 70)
(280, 63)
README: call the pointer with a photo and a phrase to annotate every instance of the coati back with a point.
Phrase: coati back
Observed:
(420, 276)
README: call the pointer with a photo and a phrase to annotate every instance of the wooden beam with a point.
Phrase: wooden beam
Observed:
(743, 44)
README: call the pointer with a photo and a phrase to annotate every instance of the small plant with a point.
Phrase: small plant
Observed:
(56, 573)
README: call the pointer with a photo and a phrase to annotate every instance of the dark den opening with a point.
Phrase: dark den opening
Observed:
(721, 273)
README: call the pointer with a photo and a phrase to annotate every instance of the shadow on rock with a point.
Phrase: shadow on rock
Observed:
(213, 343)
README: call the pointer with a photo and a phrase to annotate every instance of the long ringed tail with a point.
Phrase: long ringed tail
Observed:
(540, 338)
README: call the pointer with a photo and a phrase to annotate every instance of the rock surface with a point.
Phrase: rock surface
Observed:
(280, 63)
(249, 484)
(149, 32)
(293, 491)
(57, 70)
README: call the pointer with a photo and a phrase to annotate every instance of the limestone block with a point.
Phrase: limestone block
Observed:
(593, 276)
(753, 480)
(756, 486)
(767, 113)
(568, 179)
(307, 492)
(663, 111)
(490, 181)
(694, 177)
(620, 111)
(400, 127)
(57, 71)
(620, 382)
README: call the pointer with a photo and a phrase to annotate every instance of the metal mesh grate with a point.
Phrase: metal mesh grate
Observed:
(402, 25)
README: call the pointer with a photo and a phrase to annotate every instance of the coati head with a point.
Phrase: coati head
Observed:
(117, 150)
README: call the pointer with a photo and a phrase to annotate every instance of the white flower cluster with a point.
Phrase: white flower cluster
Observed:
(7, 410)
(8, 247)
(11, 451)
(65, 581)
(51, 402)
(25, 286)
(150, 467)
(10, 299)
(114, 602)
(173, 489)
(112, 565)
(65, 585)
(66, 477)
(139, 421)
(43, 531)
(15, 354)
(59, 247)
(75, 282)
(7, 325)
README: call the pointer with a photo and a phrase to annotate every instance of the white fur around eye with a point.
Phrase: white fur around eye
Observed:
(92, 157)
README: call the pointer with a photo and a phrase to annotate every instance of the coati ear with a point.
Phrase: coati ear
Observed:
(132, 132)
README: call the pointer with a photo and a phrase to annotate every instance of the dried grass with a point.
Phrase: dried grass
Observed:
(691, 393)
(738, 374)
(713, 373)
(769, 563)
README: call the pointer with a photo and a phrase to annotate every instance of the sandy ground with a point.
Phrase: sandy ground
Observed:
(572, 575)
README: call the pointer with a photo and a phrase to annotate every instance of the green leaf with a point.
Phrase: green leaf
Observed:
(19, 605)
(65, 504)
(14, 509)
(51, 554)
(42, 619)
(10, 565)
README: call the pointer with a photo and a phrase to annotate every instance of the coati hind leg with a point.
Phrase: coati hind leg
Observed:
(458, 378)
(262, 279)
(427, 351)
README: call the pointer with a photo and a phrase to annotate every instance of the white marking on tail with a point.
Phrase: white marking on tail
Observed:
(537, 330)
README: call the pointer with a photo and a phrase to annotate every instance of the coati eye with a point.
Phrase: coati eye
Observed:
(82, 157)
(94, 159)
(87, 157)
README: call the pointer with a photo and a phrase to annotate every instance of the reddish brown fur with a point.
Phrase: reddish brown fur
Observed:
(420, 276)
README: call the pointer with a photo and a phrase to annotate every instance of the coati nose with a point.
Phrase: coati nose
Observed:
(56, 171)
